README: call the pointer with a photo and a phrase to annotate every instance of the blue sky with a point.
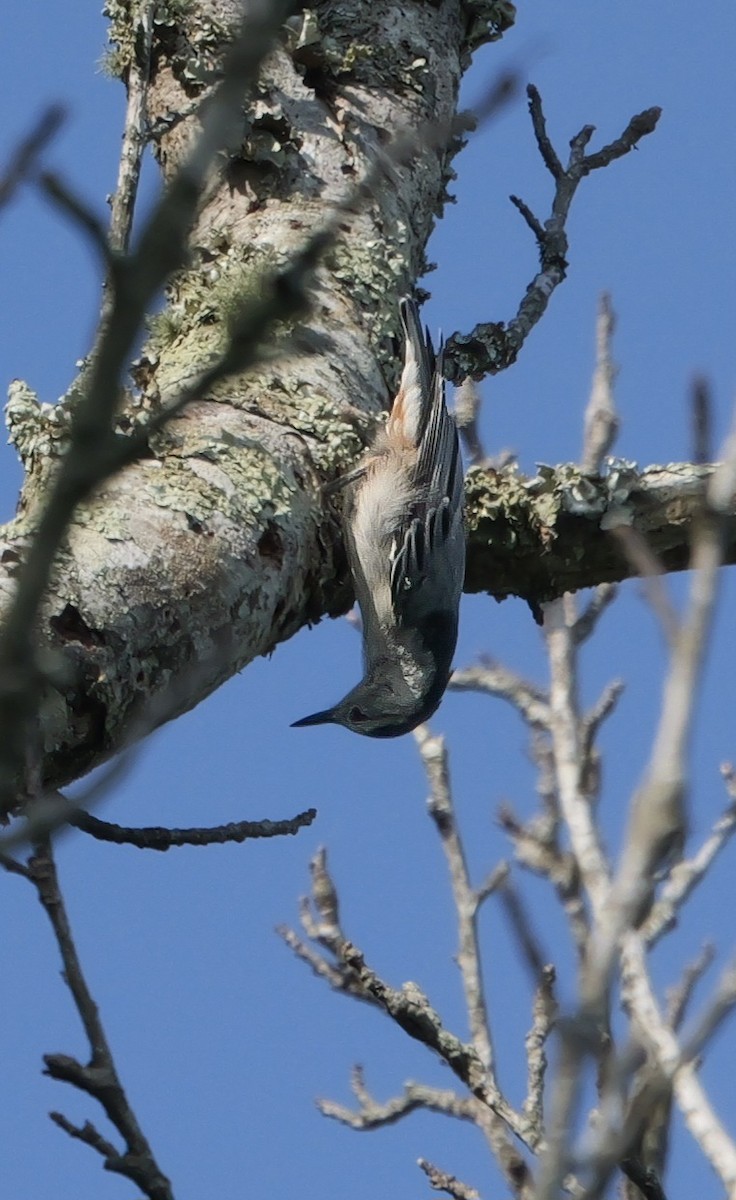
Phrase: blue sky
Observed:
(222, 1039)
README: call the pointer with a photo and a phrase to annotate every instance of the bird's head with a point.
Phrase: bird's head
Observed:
(373, 708)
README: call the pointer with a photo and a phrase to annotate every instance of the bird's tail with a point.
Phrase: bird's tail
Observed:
(414, 400)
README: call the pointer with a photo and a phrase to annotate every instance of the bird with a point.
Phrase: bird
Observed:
(405, 540)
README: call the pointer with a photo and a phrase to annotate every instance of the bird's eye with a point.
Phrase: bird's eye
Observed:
(356, 715)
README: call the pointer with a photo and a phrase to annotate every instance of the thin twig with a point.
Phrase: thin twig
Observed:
(496, 680)
(410, 1009)
(679, 997)
(99, 1078)
(59, 192)
(13, 867)
(702, 420)
(528, 941)
(467, 903)
(692, 1100)
(650, 570)
(587, 622)
(88, 1134)
(23, 159)
(338, 979)
(539, 124)
(433, 752)
(158, 837)
(719, 1007)
(374, 1115)
(581, 1035)
(135, 131)
(601, 421)
(567, 741)
(441, 1181)
(347, 971)
(544, 1015)
(466, 408)
(600, 712)
(490, 348)
(686, 875)
(658, 818)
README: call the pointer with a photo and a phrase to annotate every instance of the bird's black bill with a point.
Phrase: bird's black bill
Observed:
(320, 718)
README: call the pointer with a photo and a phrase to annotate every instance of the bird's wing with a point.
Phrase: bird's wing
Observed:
(429, 559)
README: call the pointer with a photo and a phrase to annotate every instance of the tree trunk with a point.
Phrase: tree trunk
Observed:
(218, 545)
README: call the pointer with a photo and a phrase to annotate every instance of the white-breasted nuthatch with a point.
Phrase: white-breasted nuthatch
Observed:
(406, 548)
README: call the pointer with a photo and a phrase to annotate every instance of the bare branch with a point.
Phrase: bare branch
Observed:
(544, 1015)
(719, 1008)
(372, 1115)
(13, 867)
(562, 522)
(539, 124)
(490, 348)
(408, 1007)
(434, 757)
(587, 622)
(694, 1105)
(337, 979)
(99, 1078)
(686, 875)
(492, 882)
(600, 712)
(656, 831)
(560, 620)
(582, 1036)
(679, 997)
(638, 127)
(88, 1134)
(497, 680)
(467, 902)
(157, 837)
